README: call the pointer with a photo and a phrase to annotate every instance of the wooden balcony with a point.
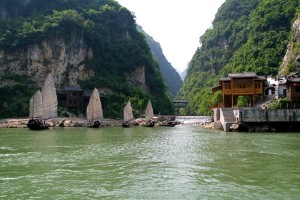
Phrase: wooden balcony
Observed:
(237, 91)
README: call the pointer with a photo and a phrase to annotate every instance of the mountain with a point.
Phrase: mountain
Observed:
(170, 75)
(91, 43)
(247, 35)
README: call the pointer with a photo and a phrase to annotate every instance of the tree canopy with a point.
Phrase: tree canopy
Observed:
(108, 28)
(247, 35)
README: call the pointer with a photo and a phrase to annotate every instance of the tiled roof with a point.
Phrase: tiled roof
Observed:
(180, 101)
(225, 79)
(297, 80)
(73, 88)
(242, 75)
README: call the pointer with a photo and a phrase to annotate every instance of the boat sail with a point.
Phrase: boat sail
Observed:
(149, 111)
(43, 105)
(36, 105)
(94, 110)
(127, 111)
(127, 114)
(149, 115)
(49, 98)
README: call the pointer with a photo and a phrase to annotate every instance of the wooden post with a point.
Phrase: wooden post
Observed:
(223, 99)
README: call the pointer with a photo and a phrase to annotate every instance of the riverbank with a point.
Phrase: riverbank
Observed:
(202, 121)
(57, 122)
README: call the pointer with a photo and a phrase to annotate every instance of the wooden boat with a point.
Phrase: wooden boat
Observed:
(125, 124)
(148, 124)
(94, 110)
(168, 123)
(36, 112)
(43, 105)
(35, 124)
(128, 115)
(96, 124)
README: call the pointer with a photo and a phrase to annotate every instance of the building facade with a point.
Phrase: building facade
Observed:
(240, 84)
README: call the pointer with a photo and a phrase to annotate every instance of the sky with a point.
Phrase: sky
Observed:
(176, 24)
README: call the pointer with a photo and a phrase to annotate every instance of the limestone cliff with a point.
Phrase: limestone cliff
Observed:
(63, 59)
(291, 60)
(91, 43)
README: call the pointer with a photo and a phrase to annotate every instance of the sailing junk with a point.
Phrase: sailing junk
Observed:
(94, 110)
(128, 115)
(43, 105)
(149, 116)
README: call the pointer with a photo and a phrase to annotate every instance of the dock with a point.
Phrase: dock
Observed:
(280, 119)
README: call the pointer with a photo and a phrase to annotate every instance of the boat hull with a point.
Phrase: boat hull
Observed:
(96, 124)
(34, 124)
(168, 124)
(148, 124)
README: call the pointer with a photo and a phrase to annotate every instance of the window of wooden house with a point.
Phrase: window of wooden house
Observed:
(227, 85)
(257, 85)
(242, 86)
(297, 89)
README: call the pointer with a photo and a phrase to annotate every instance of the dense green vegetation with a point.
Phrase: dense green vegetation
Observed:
(14, 92)
(170, 75)
(108, 28)
(247, 35)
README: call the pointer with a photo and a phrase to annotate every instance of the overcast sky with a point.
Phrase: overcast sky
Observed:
(175, 24)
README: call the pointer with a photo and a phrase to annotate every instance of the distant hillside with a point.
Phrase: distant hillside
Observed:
(170, 75)
(91, 43)
(247, 35)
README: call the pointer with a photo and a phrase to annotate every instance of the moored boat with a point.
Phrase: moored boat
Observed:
(149, 116)
(128, 115)
(168, 123)
(94, 110)
(43, 105)
(35, 124)
(148, 124)
(95, 124)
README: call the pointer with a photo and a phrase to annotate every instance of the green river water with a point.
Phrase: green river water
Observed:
(183, 162)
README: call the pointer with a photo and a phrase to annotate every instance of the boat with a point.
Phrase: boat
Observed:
(36, 124)
(148, 124)
(36, 113)
(127, 114)
(43, 105)
(149, 116)
(94, 110)
(168, 123)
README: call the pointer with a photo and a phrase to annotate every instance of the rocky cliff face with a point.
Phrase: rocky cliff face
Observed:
(291, 60)
(64, 59)
(137, 77)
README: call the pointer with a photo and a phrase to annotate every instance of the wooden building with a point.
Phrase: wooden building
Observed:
(240, 84)
(293, 87)
(71, 97)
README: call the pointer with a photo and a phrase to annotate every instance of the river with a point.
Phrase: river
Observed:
(182, 162)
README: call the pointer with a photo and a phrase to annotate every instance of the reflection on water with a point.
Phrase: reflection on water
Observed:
(183, 162)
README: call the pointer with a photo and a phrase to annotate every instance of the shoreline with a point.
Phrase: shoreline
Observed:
(57, 122)
(82, 122)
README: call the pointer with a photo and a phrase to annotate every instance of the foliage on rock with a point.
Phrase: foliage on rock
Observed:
(247, 35)
(108, 29)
